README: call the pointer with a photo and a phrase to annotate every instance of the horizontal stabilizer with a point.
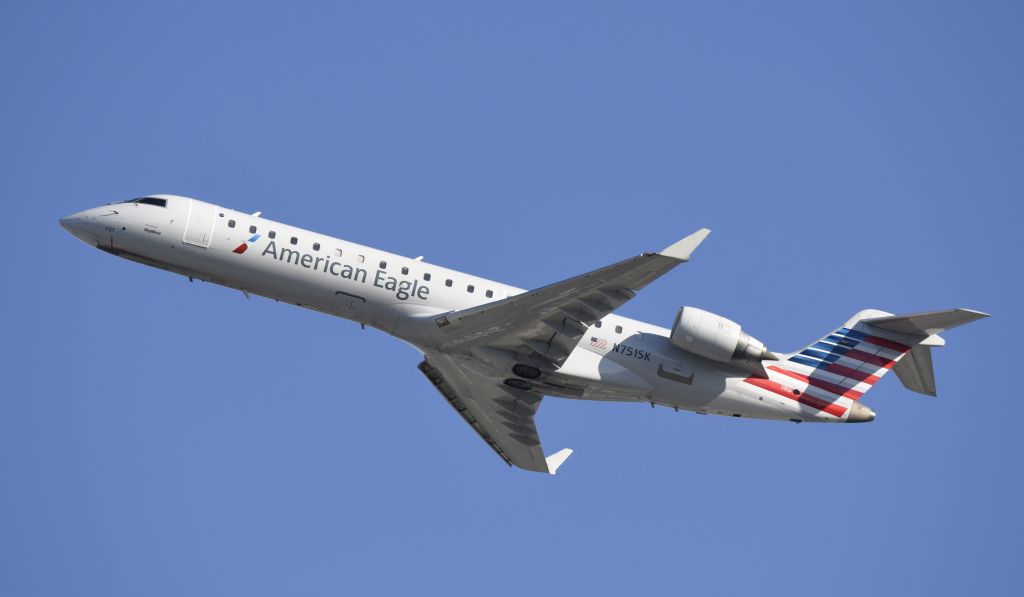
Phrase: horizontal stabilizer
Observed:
(555, 460)
(926, 324)
(915, 371)
(682, 249)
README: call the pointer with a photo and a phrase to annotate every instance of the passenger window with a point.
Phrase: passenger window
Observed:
(426, 277)
(294, 241)
(337, 252)
(405, 271)
(383, 265)
(618, 329)
(448, 283)
(252, 230)
(470, 288)
(489, 293)
(231, 223)
(360, 258)
(272, 234)
(316, 246)
(597, 323)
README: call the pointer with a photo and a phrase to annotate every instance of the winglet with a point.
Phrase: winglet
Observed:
(555, 460)
(682, 249)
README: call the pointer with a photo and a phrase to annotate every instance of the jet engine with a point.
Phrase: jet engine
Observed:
(717, 338)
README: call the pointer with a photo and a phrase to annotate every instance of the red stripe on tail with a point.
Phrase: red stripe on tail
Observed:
(820, 383)
(874, 359)
(867, 377)
(887, 344)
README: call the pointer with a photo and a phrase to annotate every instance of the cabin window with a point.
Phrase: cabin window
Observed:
(470, 288)
(316, 246)
(405, 271)
(252, 230)
(618, 329)
(597, 324)
(489, 293)
(383, 265)
(272, 234)
(426, 277)
(294, 241)
(448, 283)
(231, 223)
(360, 258)
(337, 252)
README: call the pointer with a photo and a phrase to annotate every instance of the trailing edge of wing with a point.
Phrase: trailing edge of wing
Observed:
(684, 248)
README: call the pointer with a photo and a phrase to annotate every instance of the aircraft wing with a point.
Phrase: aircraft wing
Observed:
(501, 415)
(551, 320)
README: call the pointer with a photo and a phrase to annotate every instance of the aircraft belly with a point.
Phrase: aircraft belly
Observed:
(733, 403)
(745, 400)
(603, 378)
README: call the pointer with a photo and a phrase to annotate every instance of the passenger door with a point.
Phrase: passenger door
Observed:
(199, 229)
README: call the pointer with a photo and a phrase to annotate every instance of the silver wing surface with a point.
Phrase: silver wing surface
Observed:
(501, 415)
(551, 320)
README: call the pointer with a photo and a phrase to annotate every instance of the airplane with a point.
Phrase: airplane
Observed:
(493, 351)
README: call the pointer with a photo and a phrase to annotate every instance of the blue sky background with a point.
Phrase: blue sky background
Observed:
(165, 438)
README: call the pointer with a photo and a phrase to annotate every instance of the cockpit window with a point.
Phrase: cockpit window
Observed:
(146, 200)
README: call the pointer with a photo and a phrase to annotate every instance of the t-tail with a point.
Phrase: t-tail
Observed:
(834, 372)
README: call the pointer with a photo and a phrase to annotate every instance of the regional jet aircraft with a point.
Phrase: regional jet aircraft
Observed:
(493, 351)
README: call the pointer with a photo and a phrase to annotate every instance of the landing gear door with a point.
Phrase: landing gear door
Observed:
(201, 218)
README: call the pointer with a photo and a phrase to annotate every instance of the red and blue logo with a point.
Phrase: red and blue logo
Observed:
(242, 247)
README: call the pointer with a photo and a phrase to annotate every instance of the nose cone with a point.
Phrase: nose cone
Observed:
(80, 224)
(69, 222)
(860, 414)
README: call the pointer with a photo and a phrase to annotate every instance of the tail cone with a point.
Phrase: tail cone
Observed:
(860, 414)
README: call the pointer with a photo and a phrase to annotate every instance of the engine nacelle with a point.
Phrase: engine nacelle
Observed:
(715, 337)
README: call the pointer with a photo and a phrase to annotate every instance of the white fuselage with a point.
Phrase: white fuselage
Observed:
(617, 359)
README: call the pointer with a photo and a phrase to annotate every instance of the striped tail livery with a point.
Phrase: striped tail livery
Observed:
(833, 373)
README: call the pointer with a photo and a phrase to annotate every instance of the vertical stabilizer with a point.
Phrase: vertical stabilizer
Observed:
(843, 365)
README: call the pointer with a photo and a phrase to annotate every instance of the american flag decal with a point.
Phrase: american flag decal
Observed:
(598, 342)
